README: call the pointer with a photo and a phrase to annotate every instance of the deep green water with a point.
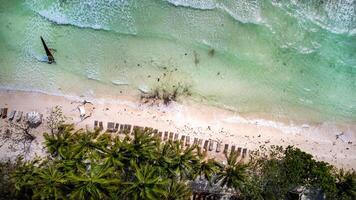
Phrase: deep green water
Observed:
(288, 59)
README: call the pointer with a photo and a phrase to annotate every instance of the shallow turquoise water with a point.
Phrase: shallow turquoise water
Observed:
(286, 59)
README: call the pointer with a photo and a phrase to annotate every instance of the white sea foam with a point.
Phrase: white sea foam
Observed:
(245, 11)
(337, 16)
(197, 4)
(307, 89)
(144, 88)
(111, 16)
(92, 73)
(118, 82)
(290, 129)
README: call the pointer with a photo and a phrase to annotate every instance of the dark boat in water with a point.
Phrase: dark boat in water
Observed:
(48, 52)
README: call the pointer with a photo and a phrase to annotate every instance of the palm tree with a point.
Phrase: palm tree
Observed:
(346, 185)
(164, 159)
(177, 191)
(145, 183)
(86, 145)
(58, 144)
(23, 178)
(114, 154)
(105, 140)
(143, 147)
(49, 183)
(184, 161)
(95, 182)
(208, 168)
(234, 174)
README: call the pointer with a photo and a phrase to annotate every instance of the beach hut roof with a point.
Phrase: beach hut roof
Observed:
(34, 118)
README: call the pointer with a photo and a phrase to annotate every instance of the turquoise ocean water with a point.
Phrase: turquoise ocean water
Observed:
(288, 59)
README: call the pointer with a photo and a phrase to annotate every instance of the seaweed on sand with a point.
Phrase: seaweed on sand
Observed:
(166, 94)
(167, 89)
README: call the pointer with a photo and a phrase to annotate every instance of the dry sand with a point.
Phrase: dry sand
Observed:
(190, 119)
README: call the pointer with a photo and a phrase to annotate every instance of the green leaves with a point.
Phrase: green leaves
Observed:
(346, 185)
(234, 174)
(289, 168)
(143, 146)
(50, 183)
(184, 161)
(58, 144)
(93, 165)
(145, 183)
(94, 182)
(208, 168)
(177, 191)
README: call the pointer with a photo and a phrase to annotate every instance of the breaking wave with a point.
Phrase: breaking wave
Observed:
(337, 16)
(245, 11)
(197, 4)
(113, 15)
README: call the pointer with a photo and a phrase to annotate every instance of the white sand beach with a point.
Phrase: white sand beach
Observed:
(192, 120)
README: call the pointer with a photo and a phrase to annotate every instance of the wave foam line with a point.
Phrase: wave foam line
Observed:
(244, 11)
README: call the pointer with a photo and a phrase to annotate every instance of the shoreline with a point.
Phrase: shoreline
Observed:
(199, 121)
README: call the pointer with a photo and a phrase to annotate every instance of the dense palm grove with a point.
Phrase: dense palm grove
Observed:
(93, 165)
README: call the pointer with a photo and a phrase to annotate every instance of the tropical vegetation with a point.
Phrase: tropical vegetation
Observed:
(83, 164)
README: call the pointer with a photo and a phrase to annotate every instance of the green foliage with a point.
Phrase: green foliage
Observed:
(59, 144)
(50, 183)
(177, 191)
(184, 160)
(234, 174)
(93, 165)
(282, 170)
(208, 168)
(145, 184)
(90, 165)
(346, 185)
(7, 189)
(93, 182)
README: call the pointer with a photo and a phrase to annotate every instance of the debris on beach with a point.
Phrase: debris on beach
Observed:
(81, 111)
(344, 137)
(85, 108)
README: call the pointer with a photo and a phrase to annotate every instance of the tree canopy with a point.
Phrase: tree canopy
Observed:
(83, 164)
